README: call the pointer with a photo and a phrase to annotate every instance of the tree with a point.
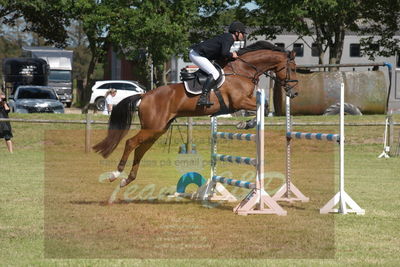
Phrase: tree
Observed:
(8, 48)
(78, 41)
(15, 33)
(326, 20)
(94, 17)
(48, 19)
(213, 18)
(151, 32)
(383, 22)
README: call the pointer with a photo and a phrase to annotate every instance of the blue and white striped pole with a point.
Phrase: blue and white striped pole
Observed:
(313, 136)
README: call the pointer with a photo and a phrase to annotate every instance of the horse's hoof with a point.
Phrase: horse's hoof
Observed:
(241, 125)
(113, 176)
(124, 182)
(247, 124)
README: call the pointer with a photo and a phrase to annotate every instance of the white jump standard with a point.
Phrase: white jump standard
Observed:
(289, 192)
(341, 197)
(257, 201)
(288, 189)
(386, 143)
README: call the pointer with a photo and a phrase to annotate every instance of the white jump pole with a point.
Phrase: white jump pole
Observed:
(341, 197)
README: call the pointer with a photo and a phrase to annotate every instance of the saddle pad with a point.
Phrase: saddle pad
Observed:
(195, 88)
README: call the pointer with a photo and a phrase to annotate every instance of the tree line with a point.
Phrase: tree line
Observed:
(152, 31)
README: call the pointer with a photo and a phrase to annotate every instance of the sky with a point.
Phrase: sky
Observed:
(251, 6)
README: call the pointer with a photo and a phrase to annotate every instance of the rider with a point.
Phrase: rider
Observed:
(212, 49)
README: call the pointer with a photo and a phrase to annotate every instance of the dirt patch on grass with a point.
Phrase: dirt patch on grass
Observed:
(144, 223)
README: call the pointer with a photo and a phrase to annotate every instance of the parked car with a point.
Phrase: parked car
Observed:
(35, 99)
(124, 89)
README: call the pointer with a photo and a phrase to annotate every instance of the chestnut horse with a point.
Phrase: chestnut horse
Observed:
(158, 108)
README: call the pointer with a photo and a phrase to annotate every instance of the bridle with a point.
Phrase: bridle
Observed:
(285, 83)
(255, 78)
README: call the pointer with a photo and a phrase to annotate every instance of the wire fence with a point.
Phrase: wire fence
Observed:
(199, 123)
(88, 122)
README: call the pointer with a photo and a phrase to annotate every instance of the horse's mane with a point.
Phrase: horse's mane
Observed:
(258, 46)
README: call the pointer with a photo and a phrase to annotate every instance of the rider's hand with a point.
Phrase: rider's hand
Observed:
(234, 55)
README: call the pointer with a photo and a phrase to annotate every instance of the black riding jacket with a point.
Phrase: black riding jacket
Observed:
(216, 48)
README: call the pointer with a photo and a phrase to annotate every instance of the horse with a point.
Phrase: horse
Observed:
(158, 108)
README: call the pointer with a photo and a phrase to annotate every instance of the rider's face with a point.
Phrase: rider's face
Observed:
(240, 36)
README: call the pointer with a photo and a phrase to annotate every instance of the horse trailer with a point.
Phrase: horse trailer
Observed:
(23, 71)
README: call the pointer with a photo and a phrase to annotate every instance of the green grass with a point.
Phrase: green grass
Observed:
(361, 240)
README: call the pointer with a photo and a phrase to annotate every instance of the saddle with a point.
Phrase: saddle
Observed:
(194, 81)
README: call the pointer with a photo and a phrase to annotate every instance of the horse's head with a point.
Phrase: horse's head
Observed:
(286, 73)
(261, 57)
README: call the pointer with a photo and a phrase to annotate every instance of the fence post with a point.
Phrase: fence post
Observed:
(189, 135)
(88, 133)
(391, 134)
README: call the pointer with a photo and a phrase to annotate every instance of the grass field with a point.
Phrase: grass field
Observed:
(53, 203)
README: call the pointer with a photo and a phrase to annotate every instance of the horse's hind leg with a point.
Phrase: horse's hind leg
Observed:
(130, 145)
(139, 153)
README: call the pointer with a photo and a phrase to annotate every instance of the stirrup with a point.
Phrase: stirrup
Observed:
(204, 100)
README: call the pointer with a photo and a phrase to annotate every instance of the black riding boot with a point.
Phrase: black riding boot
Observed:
(204, 99)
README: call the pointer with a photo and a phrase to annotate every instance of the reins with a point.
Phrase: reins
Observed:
(255, 78)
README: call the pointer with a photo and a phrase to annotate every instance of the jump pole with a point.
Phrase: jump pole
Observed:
(258, 201)
(289, 192)
(213, 190)
(341, 197)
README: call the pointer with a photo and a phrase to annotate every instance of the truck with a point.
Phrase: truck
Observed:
(60, 63)
(23, 71)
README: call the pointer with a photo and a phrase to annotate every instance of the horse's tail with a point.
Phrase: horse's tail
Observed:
(118, 125)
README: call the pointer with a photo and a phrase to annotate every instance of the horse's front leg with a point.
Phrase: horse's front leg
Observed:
(250, 103)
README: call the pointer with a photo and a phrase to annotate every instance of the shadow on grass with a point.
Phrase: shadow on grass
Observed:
(205, 204)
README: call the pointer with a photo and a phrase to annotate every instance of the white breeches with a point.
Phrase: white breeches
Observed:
(204, 64)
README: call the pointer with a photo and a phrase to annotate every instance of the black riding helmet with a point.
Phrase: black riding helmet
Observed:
(237, 26)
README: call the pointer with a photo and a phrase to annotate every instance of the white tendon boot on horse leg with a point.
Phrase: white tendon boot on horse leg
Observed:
(124, 182)
(113, 176)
